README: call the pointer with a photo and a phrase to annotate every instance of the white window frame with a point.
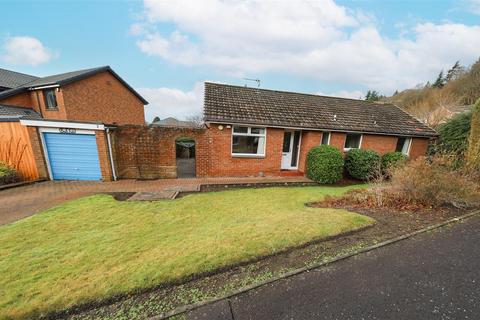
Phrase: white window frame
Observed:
(249, 134)
(359, 145)
(409, 140)
(329, 136)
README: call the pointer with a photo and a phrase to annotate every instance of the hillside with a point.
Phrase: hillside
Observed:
(451, 93)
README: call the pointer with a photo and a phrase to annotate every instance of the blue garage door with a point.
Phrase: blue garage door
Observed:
(73, 156)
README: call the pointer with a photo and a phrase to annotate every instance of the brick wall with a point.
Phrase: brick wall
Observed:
(148, 152)
(37, 150)
(222, 163)
(102, 98)
(380, 144)
(310, 139)
(418, 147)
(103, 155)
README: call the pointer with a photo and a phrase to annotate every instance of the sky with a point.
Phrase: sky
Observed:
(167, 49)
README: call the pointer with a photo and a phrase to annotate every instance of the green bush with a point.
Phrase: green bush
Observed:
(7, 174)
(325, 164)
(363, 164)
(392, 160)
(453, 135)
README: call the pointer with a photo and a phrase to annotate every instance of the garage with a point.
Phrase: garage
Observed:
(72, 156)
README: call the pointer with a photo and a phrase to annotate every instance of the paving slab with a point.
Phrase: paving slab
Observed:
(154, 196)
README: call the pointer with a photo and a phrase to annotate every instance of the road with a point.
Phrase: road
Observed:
(435, 275)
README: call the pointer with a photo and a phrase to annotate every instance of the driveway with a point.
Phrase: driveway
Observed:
(435, 275)
(21, 202)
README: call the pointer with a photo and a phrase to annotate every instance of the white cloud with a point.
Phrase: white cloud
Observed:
(319, 39)
(474, 6)
(24, 50)
(170, 102)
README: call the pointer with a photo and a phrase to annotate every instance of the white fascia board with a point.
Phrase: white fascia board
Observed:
(62, 124)
(44, 87)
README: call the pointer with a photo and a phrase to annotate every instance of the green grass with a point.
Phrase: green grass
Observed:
(96, 247)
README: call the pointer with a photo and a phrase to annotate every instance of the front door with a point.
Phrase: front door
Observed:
(291, 146)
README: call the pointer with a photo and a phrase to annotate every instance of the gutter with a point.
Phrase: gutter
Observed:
(110, 154)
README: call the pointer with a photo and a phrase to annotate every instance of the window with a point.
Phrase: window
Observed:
(403, 145)
(248, 141)
(326, 138)
(50, 98)
(353, 141)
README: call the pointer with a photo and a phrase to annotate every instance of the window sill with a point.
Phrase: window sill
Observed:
(348, 149)
(255, 156)
(51, 109)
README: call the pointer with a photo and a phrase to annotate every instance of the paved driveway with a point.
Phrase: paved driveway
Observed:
(21, 202)
(432, 276)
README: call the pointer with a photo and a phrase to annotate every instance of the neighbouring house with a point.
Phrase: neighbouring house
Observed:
(256, 132)
(60, 123)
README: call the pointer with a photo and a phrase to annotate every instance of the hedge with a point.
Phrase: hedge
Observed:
(362, 164)
(7, 174)
(325, 164)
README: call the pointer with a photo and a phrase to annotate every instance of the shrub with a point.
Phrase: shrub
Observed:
(363, 164)
(325, 164)
(419, 184)
(391, 160)
(7, 174)
(473, 152)
(453, 135)
(434, 183)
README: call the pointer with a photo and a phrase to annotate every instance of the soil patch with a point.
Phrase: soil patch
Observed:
(157, 301)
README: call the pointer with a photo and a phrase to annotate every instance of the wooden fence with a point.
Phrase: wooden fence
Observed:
(16, 150)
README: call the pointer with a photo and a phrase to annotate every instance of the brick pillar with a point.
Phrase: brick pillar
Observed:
(103, 155)
(37, 150)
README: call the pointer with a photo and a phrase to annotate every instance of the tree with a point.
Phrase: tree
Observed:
(372, 96)
(156, 119)
(455, 72)
(196, 118)
(440, 82)
(473, 151)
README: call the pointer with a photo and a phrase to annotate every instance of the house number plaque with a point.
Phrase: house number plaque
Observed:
(67, 130)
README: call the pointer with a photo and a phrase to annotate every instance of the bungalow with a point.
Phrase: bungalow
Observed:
(259, 132)
(269, 132)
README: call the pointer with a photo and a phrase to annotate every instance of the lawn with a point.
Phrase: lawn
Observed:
(95, 247)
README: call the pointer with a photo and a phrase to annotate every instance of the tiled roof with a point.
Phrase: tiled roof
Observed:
(11, 79)
(13, 113)
(235, 104)
(66, 78)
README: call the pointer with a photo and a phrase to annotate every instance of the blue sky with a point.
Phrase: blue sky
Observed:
(167, 49)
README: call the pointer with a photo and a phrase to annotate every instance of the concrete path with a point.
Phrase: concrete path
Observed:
(435, 275)
(21, 202)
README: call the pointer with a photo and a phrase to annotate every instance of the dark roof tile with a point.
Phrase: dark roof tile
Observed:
(235, 104)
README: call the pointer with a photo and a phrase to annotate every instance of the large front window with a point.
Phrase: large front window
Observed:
(248, 141)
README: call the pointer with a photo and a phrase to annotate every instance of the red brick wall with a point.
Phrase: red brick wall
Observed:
(310, 139)
(102, 98)
(380, 144)
(23, 100)
(418, 147)
(103, 155)
(37, 150)
(222, 163)
(148, 152)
